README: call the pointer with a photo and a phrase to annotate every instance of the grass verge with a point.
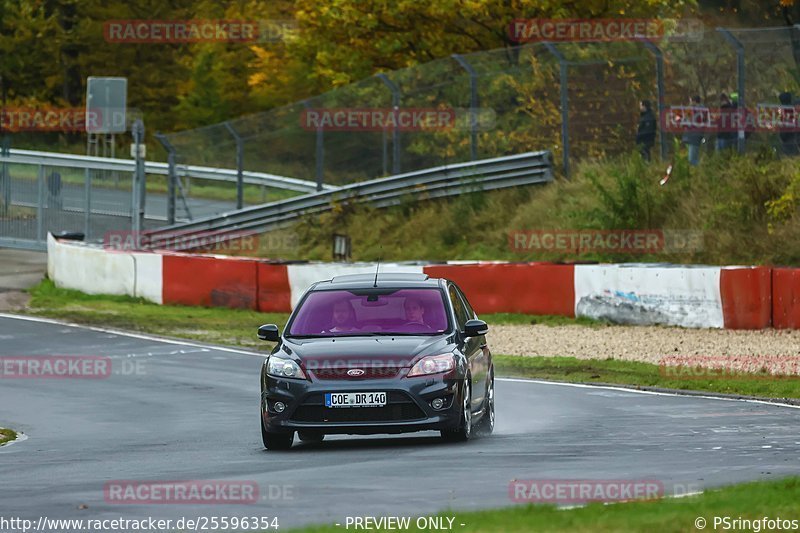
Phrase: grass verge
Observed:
(235, 327)
(614, 371)
(748, 501)
(7, 435)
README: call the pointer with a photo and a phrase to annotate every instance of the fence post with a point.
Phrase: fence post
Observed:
(239, 165)
(40, 205)
(319, 150)
(137, 211)
(740, 75)
(660, 84)
(473, 104)
(172, 176)
(395, 133)
(87, 202)
(563, 79)
(5, 177)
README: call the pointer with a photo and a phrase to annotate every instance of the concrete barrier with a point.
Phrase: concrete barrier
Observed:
(689, 296)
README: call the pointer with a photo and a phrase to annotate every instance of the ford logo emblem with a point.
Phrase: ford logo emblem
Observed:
(355, 372)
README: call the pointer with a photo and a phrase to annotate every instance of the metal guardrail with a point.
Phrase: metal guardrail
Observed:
(488, 174)
(151, 167)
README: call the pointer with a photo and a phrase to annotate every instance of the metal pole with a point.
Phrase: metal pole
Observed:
(395, 133)
(40, 206)
(385, 139)
(563, 79)
(87, 202)
(172, 176)
(5, 178)
(660, 83)
(239, 165)
(319, 151)
(138, 184)
(740, 74)
(473, 104)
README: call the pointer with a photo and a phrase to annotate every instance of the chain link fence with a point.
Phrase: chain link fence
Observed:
(579, 100)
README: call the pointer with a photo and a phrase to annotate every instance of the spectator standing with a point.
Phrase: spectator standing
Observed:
(646, 132)
(693, 137)
(726, 133)
(788, 129)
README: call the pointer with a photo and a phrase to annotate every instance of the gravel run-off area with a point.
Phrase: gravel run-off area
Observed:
(752, 350)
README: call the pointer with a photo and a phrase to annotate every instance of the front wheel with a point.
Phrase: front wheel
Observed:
(464, 430)
(486, 424)
(276, 441)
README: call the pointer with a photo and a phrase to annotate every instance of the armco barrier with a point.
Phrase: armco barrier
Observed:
(786, 298)
(533, 288)
(689, 296)
(746, 297)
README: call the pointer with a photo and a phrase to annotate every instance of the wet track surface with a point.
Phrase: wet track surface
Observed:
(174, 411)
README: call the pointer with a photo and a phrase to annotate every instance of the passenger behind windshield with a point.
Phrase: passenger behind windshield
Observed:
(415, 311)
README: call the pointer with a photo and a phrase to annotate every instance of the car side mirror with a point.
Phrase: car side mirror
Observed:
(269, 332)
(475, 328)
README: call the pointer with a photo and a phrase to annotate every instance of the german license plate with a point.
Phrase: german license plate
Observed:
(355, 399)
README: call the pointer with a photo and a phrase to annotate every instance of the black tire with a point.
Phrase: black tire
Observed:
(311, 436)
(486, 425)
(464, 430)
(276, 441)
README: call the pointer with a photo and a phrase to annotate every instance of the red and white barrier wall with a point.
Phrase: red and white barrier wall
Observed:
(689, 296)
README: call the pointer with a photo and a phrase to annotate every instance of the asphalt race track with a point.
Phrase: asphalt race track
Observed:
(183, 411)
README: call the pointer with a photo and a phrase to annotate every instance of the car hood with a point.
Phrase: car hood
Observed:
(398, 351)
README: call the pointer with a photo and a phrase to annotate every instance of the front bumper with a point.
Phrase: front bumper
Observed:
(407, 409)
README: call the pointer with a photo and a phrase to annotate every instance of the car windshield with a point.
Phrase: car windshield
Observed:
(370, 311)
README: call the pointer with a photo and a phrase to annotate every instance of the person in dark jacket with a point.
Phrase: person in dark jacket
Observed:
(788, 130)
(693, 137)
(646, 133)
(726, 135)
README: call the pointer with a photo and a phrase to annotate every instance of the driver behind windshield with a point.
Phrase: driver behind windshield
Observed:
(343, 316)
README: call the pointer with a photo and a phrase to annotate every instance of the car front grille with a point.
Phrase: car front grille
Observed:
(370, 372)
(399, 407)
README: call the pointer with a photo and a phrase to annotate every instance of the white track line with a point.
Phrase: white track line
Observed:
(245, 352)
(652, 393)
(142, 336)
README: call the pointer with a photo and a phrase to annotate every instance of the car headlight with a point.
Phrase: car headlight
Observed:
(283, 367)
(433, 364)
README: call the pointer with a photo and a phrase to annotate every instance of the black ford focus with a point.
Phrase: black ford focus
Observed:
(367, 354)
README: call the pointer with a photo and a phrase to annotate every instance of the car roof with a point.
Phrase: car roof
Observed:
(399, 280)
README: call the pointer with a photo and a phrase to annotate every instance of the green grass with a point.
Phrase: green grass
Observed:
(633, 373)
(752, 501)
(7, 435)
(231, 327)
(235, 327)
(732, 209)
